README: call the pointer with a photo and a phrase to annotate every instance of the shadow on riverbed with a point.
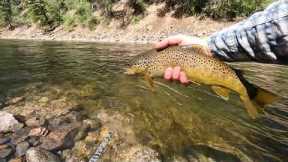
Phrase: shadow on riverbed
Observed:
(180, 123)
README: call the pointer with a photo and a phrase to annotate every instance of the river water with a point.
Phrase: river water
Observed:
(175, 120)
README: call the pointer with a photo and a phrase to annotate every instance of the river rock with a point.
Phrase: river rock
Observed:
(92, 137)
(15, 100)
(60, 138)
(40, 131)
(83, 150)
(93, 125)
(71, 117)
(20, 135)
(138, 154)
(5, 151)
(34, 141)
(8, 122)
(35, 122)
(4, 140)
(18, 159)
(40, 155)
(21, 148)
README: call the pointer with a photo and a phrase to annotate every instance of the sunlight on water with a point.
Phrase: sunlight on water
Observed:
(175, 120)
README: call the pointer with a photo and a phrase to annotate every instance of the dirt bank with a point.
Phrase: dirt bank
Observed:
(149, 29)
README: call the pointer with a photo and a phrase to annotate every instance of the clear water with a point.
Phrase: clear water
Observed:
(176, 120)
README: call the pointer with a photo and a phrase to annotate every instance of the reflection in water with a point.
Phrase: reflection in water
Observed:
(176, 120)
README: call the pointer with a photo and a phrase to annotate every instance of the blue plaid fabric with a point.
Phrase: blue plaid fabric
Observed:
(262, 37)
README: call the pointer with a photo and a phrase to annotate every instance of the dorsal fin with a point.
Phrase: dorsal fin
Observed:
(201, 49)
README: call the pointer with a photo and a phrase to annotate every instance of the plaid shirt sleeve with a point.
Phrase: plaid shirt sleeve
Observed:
(262, 37)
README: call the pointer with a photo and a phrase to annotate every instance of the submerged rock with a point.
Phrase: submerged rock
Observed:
(41, 131)
(60, 138)
(5, 151)
(138, 154)
(35, 122)
(93, 125)
(21, 148)
(40, 155)
(8, 122)
(83, 150)
(18, 159)
(20, 135)
(15, 100)
(34, 141)
(4, 140)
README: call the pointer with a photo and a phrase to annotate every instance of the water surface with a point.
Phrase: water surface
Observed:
(176, 120)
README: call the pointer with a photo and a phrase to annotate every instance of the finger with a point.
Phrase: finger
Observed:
(183, 78)
(168, 73)
(168, 42)
(176, 73)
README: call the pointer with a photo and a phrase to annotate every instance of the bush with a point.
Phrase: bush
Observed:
(37, 11)
(51, 13)
(233, 8)
(79, 13)
(5, 13)
(212, 8)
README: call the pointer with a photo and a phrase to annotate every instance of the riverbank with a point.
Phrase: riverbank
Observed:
(149, 29)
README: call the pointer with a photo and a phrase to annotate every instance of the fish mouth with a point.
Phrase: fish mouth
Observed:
(129, 71)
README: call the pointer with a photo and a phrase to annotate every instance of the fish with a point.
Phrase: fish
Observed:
(202, 69)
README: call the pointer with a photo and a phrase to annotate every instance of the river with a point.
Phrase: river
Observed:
(175, 120)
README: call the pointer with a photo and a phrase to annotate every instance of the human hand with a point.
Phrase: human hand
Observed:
(181, 40)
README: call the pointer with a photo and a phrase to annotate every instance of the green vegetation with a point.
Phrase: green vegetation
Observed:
(49, 14)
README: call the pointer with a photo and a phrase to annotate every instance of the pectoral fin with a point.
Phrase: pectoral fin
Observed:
(150, 82)
(221, 91)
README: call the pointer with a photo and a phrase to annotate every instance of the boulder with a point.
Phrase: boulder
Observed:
(8, 122)
(40, 155)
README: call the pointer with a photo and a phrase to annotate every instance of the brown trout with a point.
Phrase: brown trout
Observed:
(201, 69)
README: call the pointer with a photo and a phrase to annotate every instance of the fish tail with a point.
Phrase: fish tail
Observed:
(251, 108)
(264, 97)
(258, 95)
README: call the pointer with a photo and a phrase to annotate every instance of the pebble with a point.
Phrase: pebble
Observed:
(41, 131)
(18, 159)
(40, 155)
(83, 150)
(21, 148)
(35, 122)
(92, 137)
(8, 122)
(20, 135)
(4, 140)
(138, 153)
(15, 100)
(44, 100)
(5, 151)
(92, 124)
(34, 141)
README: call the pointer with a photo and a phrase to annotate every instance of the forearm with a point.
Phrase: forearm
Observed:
(262, 37)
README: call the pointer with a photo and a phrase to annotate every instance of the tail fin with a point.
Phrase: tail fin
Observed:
(264, 97)
(258, 95)
(250, 107)
(261, 99)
